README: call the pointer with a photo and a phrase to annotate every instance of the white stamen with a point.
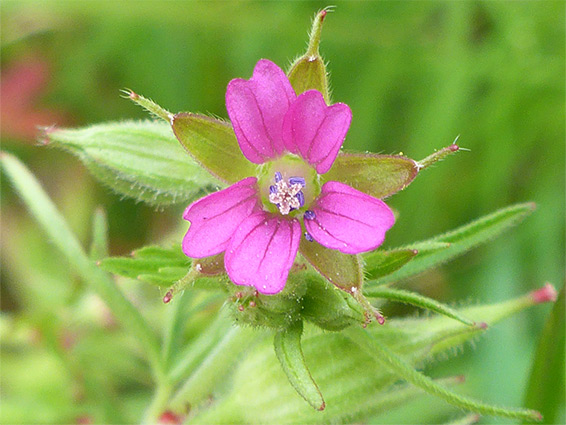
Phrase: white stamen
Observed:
(285, 196)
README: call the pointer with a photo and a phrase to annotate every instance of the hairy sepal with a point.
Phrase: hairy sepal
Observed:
(308, 72)
(440, 249)
(137, 159)
(212, 143)
(377, 175)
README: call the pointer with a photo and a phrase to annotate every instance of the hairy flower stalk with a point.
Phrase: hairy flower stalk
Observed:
(259, 221)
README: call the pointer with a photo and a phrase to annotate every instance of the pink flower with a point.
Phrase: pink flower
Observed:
(259, 221)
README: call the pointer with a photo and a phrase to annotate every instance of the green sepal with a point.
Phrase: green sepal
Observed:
(545, 391)
(152, 264)
(138, 159)
(440, 249)
(213, 144)
(377, 175)
(328, 307)
(308, 72)
(287, 343)
(380, 263)
(276, 311)
(342, 270)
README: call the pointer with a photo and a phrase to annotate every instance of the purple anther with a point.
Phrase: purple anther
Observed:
(301, 198)
(272, 189)
(308, 237)
(278, 177)
(309, 215)
(297, 180)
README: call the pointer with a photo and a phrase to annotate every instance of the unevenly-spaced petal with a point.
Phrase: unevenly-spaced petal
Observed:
(262, 251)
(215, 218)
(257, 107)
(316, 131)
(348, 220)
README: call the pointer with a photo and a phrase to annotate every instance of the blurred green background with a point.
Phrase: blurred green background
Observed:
(415, 74)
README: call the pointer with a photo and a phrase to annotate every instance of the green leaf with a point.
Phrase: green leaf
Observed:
(288, 350)
(546, 384)
(138, 159)
(343, 270)
(212, 143)
(377, 175)
(387, 358)
(418, 300)
(434, 252)
(308, 72)
(151, 264)
(99, 243)
(354, 386)
(381, 263)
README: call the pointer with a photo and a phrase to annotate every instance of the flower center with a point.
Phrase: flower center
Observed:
(287, 185)
(287, 195)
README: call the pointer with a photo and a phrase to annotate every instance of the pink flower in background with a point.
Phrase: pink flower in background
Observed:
(259, 221)
(22, 84)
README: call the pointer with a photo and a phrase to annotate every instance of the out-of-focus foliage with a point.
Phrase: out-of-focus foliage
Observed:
(415, 74)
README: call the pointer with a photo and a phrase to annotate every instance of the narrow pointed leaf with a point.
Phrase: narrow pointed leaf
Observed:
(290, 354)
(418, 300)
(308, 72)
(546, 384)
(212, 143)
(460, 241)
(387, 358)
(158, 265)
(138, 159)
(381, 263)
(343, 270)
(377, 175)
(353, 384)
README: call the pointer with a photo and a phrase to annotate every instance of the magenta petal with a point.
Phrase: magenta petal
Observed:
(348, 220)
(316, 131)
(262, 251)
(257, 107)
(215, 218)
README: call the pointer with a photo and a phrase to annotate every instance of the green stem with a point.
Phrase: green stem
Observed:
(53, 223)
(158, 403)
(212, 370)
(393, 362)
